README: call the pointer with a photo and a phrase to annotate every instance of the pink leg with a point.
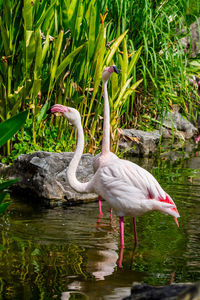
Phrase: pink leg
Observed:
(100, 210)
(121, 224)
(120, 257)
(135, 232)
(111, 212)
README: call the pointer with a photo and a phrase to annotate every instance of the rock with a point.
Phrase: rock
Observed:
(180, 291)
(138, 142)
(44, 175)
(4, 169)
(191, 42)
(175, 125)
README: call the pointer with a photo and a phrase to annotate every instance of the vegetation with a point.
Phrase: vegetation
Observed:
(54, 52)
(7, 129)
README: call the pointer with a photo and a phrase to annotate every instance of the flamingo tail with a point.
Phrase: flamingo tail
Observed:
(174, 210)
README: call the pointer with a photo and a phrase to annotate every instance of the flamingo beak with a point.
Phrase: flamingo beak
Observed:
(116, 69)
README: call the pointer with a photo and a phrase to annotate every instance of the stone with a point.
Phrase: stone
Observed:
(191, 42)
(175, 125)
(138, 142)
(43, 174)
(178, 291)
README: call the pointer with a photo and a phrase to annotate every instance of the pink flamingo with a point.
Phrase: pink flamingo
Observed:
(128, 188)
(106, 128)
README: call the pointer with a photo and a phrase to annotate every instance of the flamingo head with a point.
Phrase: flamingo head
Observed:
(108, 71)
(69, 113)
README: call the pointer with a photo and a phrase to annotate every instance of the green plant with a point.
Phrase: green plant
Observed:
(7, 130)
(4, 194)
(55, 51)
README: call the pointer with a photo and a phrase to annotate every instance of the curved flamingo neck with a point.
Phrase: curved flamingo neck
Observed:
(106, 121)
(71, 172)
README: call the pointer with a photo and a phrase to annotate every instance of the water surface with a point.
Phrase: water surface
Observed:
(66, 254)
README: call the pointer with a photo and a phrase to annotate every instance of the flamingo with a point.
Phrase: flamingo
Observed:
(106, 129)
(129, 189)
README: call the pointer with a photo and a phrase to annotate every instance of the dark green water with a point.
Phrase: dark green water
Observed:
(65, 254)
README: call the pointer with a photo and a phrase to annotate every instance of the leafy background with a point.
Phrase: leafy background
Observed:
(55, 51)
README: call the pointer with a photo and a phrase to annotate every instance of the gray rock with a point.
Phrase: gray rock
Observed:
(138, 142)
(44, 175)
(180, 291)
(191, 42)
(176, 125)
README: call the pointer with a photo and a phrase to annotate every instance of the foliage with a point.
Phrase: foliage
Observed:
(11, 126)
(4, 195)
(7, 129)
(55, 51)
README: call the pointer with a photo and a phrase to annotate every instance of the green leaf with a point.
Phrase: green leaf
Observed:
(42, 112)
(3, 207)
(3, 196)
(92, 27)
(27, 13)
(6, 184)
(9, 127)
(38, 55)
(2, 247)
(30, 49)
(67, 60)
(114, 48)
(46, 15)
(123, 90)
(57, 50)
(5, 38)
(124, 66)
(134, 61)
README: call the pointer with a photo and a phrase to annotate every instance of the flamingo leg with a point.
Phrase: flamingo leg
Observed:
(100, 210)
(135, 232)
(121, 224)
(120, 257)
(111, 212)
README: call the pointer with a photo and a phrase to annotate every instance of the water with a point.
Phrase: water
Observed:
(66, 254)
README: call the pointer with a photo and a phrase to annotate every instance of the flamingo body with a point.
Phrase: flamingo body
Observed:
(128, 188)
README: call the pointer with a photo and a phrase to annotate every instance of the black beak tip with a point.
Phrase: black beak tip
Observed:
(48, 111)
(116, 69)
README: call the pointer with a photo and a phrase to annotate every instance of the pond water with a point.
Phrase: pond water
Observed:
(66, 254)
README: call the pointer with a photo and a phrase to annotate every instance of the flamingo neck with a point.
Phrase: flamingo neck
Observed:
(71, 172)
(106, 122)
